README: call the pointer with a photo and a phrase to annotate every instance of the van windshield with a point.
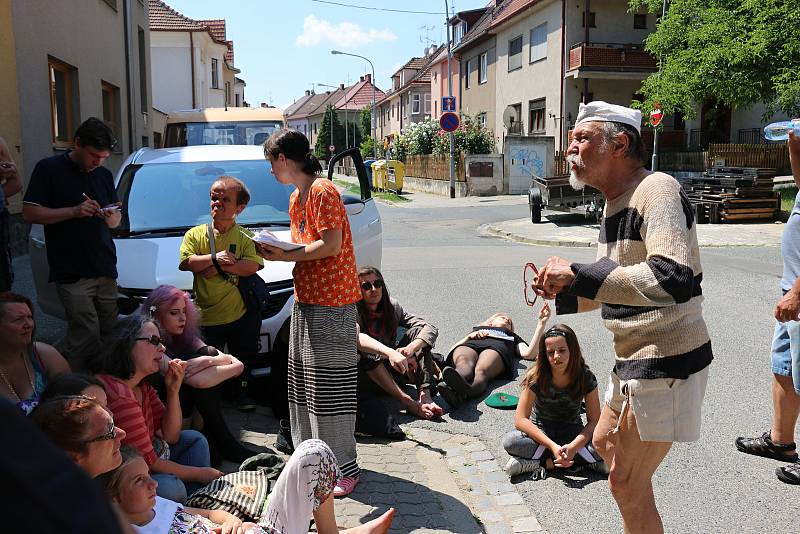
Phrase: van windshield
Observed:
(175, 196)
(220, 133)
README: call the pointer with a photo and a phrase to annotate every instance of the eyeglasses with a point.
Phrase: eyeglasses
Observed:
(153, 340)
(111, 434)
(377, 284)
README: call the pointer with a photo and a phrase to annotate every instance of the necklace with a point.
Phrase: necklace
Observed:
(10, 386)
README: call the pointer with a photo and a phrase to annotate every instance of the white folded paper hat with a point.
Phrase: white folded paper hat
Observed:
(600, 111)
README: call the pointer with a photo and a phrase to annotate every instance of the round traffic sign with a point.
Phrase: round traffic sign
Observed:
(332, 148)
(449, 122)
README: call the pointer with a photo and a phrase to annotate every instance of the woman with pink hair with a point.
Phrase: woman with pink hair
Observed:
(178, 321)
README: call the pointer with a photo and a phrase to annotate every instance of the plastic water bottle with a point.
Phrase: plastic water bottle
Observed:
(779, 131)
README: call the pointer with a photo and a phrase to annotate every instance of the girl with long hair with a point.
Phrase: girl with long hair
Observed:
(322, 375)
(178, 321)
(549, 431)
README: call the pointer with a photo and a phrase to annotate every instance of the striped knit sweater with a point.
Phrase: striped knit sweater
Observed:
(647, 281)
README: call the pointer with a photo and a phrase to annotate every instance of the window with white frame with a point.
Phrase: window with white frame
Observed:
(214, 73)
(467, 70)
(415, 104)
(538, 43)
(458, 32)
(536, 116)
(427, 103)
(482, 67)
(515, 53)
(482, 120)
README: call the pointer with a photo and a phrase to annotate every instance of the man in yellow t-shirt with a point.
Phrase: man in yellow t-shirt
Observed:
(226, 320)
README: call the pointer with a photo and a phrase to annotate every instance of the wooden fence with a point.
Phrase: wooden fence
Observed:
(434, 167)
(766, 156)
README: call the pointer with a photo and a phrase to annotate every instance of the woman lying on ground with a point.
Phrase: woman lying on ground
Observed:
(26, 366)
(485, 354)
(382, 318)
(303, 490)
(553, 390)
(179, 458)
(178, 321)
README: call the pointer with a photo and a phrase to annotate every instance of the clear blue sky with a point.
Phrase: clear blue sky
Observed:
(283, 47)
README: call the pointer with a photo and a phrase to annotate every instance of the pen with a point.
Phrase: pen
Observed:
(86, 196)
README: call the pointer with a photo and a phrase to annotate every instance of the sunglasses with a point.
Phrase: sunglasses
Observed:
(377, 284)
(153, 340)
(111, 434)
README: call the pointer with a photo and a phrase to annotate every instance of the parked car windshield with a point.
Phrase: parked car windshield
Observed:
(220, 133)
(172, 196)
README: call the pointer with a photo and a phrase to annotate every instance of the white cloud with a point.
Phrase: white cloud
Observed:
(344, 34)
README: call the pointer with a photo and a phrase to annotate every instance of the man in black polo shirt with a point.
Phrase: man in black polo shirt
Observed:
(73, 196)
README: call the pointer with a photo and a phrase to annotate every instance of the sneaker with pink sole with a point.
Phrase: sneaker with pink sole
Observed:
(345, 486)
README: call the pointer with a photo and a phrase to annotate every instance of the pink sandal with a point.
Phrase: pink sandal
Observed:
(345, 486)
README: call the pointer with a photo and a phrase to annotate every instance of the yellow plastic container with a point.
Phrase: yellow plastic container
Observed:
(388, 175)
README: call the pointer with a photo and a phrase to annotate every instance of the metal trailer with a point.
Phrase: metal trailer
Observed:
(555, 193)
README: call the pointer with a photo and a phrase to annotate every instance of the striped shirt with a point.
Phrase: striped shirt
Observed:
(139, 421)
(647, 281)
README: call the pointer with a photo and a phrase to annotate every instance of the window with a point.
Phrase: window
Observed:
(466, 73)
(415, 104)
(538, 43)
(482, 120)
(592, 21)
(515, 126)
(228, 98)
(238, 100)
(145, 140)
(536, 116)
(589, 98)
(515, 53)
(63, 101)
(427, 104)
(458, 32)
(214, 74)
(143, 70)
(482, 66)
(157, 140)
(111, 107)
(640, 21)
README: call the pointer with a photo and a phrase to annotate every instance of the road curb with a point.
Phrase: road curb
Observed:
(494, 231)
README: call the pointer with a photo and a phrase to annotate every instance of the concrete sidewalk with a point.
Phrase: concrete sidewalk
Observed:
(567, 230)
(438, 482)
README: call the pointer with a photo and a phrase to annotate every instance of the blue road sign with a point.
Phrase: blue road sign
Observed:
(448, 103)
(449, 122)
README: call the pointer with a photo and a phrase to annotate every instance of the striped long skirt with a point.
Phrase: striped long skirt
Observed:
(323, 375)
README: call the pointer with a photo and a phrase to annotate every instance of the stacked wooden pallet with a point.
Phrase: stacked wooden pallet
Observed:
(734, 194)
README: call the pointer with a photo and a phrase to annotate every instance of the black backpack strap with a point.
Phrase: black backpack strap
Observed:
(222, 273)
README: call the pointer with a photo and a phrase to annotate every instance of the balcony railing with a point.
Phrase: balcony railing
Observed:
(611, 57)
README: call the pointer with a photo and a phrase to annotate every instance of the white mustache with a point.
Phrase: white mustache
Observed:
(575, 159)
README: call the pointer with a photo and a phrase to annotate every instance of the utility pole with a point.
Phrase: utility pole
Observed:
(654, 159)
(450, 91)
(372, 115)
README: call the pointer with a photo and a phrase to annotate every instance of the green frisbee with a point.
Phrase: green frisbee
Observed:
(502, 401)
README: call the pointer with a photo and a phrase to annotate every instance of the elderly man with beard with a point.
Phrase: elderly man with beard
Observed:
(646, 280)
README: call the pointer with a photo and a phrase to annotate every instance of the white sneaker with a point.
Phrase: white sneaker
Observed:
(518, 466)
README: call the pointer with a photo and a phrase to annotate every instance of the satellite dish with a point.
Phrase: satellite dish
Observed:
(510, 117)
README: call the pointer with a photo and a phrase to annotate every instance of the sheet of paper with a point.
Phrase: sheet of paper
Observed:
(266, 237)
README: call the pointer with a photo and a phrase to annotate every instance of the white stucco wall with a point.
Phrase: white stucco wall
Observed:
(171, 70)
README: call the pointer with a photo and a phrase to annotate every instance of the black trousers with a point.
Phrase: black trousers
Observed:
(240, 337)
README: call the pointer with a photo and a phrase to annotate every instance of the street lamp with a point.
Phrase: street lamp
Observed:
(372, 114)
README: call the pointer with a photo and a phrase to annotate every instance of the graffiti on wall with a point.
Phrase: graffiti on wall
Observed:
(526, 161)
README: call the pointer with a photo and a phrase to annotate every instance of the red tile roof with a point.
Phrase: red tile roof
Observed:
(358, 95)
(509, 9)
(163, 17)
(217, 27)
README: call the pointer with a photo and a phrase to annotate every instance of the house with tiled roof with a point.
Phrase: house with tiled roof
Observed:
(308, 112)
(409, 99)
(193, 61)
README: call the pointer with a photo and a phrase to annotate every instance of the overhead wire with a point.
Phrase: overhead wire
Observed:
(371, 8)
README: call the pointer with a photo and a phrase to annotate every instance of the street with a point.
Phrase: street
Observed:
(439, 267)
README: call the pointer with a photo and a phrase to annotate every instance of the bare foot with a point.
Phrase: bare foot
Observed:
(379, 525)
(416, 408)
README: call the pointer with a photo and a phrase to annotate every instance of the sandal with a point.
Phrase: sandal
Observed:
(345, 486)
(789, 473)
(764, 446)
(456, 381)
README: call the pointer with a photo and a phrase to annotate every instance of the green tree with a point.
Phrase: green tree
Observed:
(366, 121)
(324, 138)
(735, 52)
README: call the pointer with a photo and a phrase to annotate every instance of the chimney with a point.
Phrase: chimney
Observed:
(341, 86)
(361, 79)
(308, 93)
(368, 78)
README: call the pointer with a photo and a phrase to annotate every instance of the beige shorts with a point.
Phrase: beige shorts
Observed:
(666, 409)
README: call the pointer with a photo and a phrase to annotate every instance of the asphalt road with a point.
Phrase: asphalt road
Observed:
(441, 269)
(438, 266)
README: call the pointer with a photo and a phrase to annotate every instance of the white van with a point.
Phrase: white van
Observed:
(221, 126)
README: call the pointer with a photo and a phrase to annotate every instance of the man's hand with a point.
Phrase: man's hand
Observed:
(8, 169)
(554, 277)
(87, 208)
(788, 308)
(226, 258)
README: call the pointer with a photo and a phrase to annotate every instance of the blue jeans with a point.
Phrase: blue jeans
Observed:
(191, 449)
(786, 351)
